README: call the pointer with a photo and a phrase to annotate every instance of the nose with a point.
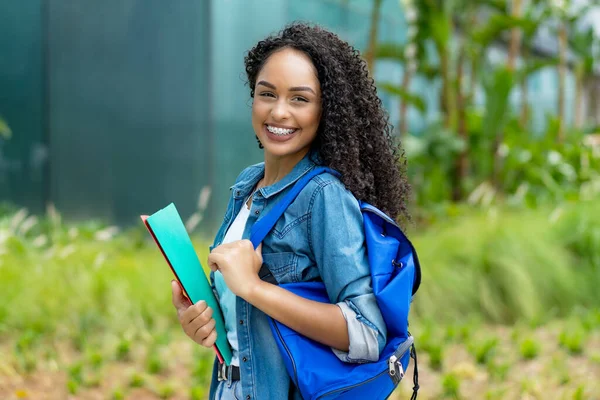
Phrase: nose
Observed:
(280, 111)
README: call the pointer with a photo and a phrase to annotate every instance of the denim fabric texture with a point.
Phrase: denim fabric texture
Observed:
(319, 237)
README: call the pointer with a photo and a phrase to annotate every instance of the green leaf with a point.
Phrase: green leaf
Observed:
(497, 24)
(390, 51)
(5, 131)
(497, 88)
(497, 5)
(412, 99)
(441, 29)
(532, 67)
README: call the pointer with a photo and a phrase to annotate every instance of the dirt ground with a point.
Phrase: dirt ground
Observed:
(553, 374)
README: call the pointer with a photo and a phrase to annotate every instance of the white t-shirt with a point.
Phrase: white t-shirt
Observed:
(226, 297)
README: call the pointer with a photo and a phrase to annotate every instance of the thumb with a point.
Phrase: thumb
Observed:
(180, 302)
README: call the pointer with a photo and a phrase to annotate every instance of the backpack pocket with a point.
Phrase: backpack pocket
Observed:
(319, 374)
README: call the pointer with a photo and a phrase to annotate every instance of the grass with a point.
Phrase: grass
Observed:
(573, 341)
(505, 265)
(529, 349)
(484, 351)
(451, 386)
(498, 287)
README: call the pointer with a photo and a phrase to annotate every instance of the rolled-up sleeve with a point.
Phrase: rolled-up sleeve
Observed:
(336, 237)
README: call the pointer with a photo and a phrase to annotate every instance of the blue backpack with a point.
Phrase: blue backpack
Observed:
(396, 274)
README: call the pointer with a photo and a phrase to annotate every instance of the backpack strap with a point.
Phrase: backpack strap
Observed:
(263, 226)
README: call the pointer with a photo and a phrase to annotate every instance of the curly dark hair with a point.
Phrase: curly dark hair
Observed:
(354, 135)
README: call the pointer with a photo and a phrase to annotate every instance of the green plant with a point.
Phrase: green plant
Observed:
(515, 265)
(95, 359)
(573, 340)
(529, 349)
(197, 393)
(495, 394)
(498, 371)
(451, 386)
(72, 386)
(5, 132)
(436, 355)
(75, 372)
(154, 363)
(118, 394)
(579, 393)
(483, 351)
(123, 350)
(530, 387)
(136, 380)
(165, 391)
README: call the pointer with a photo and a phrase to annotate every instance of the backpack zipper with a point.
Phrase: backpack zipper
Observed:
(288, 352)
(400, 351)
(394, 365)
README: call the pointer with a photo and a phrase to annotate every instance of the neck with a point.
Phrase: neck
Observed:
(278, 167)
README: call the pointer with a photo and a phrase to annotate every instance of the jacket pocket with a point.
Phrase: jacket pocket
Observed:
(282, 266)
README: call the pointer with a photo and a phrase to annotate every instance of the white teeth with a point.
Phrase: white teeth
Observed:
(280, 131)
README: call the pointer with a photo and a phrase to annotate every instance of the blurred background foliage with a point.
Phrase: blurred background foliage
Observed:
(506, 206)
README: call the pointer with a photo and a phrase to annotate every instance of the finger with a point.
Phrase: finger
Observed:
(198, 322)
(180, 302)
(210, 339)
(215, 260)
(192, 313)
(202, 319)
(203, 331)
(223, 248)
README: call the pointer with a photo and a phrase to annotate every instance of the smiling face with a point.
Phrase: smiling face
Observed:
(287, 105)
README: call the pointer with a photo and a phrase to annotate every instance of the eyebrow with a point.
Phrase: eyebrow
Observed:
(292, 89)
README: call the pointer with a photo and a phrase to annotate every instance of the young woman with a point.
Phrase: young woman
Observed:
(313, 104)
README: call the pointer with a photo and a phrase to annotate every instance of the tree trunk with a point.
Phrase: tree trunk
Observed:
(578, 112)
(562, 73)
(513, 54)
(446, 104)
(373, 33)
(524, 117)
(406, 79)
(594, 101)
(515, 37)
(461, 166)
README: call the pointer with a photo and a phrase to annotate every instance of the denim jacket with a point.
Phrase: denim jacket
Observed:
(319, 237)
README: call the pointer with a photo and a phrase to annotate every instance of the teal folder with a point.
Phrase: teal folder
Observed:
(169, 233)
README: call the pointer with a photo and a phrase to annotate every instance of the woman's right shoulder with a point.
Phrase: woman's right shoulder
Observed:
(250, 173)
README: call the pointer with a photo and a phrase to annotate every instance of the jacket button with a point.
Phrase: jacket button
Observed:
(241, 322)
(244, 359)
(256, 212)
(238, 193)
(248, 397)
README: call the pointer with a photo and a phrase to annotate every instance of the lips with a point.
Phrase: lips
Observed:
(279, 133)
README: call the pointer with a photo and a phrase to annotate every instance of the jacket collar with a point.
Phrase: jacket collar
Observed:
(244, 187)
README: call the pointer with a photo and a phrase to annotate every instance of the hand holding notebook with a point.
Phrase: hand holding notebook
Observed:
(169, 233)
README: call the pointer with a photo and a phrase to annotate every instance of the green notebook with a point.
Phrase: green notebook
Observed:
(169, 233)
